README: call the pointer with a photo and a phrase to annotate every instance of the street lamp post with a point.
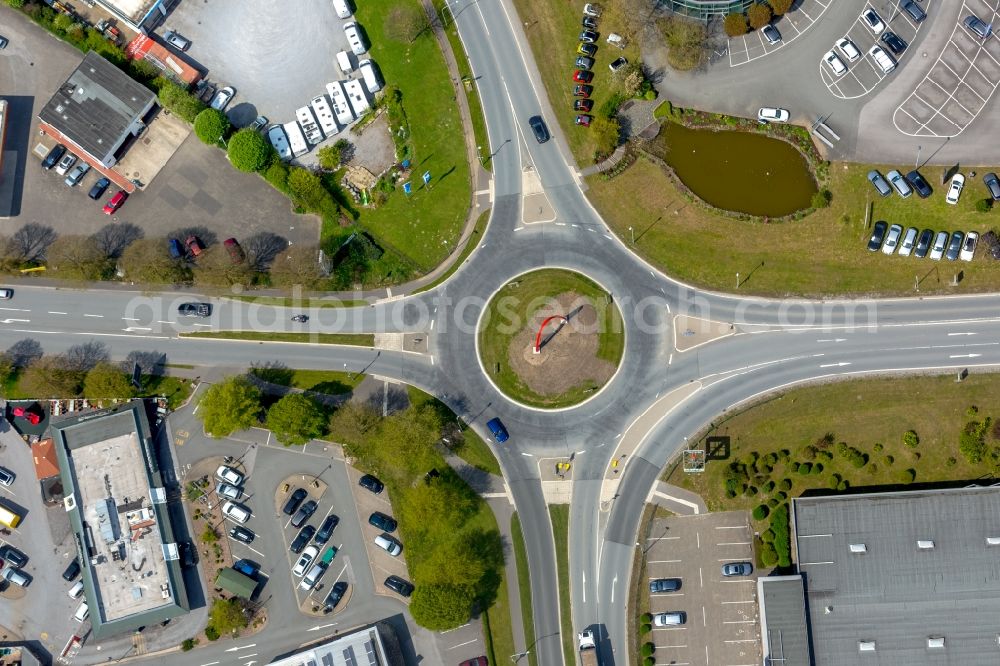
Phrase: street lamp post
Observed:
(632, 231)
(917, 165)
(517, 657)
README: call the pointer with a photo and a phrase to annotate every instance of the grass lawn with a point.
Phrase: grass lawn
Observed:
(559, 514)
(552, 29)
(821, 255)
(330, 382)
(289, 302)
(175, 389)
(524, 586)
(353, 339)
(474, 240)
(497, 625)
(508, 312)
(424, 226)
(473, 449)
(870, 415)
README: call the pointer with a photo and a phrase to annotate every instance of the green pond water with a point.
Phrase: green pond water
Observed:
(738, 171)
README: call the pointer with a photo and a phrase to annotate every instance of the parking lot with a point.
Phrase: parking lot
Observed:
(751, 46)
(721, 625)
(382, 563)
(959, 85)
(864, 75)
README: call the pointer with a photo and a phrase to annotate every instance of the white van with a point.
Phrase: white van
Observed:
(388, 544)
(76, 590)
(372, 80)
(342, 8)
(354, 38)
(882, 59)
(344, 62)
(83, 612)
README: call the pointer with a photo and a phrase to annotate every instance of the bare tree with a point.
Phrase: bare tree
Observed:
(297, 265)
(150, 363)
(83, 357)
(78, 257)
(114, 238)
(262, 247)
(207, 236)
(30, 242)
(24, 352)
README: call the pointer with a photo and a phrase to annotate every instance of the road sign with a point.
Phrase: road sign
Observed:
(407, 188)
(426, 177)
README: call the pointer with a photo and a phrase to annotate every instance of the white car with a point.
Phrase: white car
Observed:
(955, 189)
(309, 581)
(388, 544)
(229, 475)
(882, 59)
(848, 49)
(835, 63)
(892, 239)
(669, 619)
(236, 512)
(874, 22)
(77, 174)
(940, 243)
(228, 491)
(969, 246)
(6, 477)
(223, 98)
(305, 559)
(909, 240)
(68, 160)
(767, 114)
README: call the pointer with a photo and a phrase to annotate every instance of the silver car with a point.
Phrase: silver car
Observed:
(77, 174)
(940, 243)
(228, 491)
(899, 183)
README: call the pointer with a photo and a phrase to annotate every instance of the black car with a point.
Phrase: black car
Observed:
(993, 185)
(892, 40)
(919, 183)
(326, 529)
(369, 482)
(188, 554)
(583, 62)
(302, 539)
(915, 12)
(294, 500)
(13, 557)
(382, 521)
(304, 513)
(539, 128)
(923, 243)
(97, 191)
(954, 246)
(194, 309)
(664, 585)
(399, 586)
(878, 235)
(588, 36)
(336, 594)
(242, 534)
(73, 570)
(54, 156)
(589, 22)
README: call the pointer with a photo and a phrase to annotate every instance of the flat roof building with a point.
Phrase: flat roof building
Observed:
(361, 648)
(903, 577)
(706, 9)
(783, 627)
(140, 15)
(116, 502)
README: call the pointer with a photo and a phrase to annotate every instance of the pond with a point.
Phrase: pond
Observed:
(738, 171)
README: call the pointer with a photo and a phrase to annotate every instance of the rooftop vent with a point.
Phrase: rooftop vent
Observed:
(925, 544)
(993, 541)
(935, 641)
(866, 646)
(859, 548)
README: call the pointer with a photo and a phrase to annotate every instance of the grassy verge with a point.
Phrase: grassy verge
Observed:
(517, 303)
(821, 255)
(559, 514)
(175, 389)
(524, 586)
(638, 596)
(289, 302)
(353, 339)
(330, 382)
(470, 447)
(472, 244)
(425, 225)
(497, 626)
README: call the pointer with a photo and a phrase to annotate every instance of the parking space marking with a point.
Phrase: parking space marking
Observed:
(734, 543)
(793, 19)
(662, 562)
(662, 538)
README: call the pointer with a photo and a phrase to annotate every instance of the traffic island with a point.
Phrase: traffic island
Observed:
(551, 338)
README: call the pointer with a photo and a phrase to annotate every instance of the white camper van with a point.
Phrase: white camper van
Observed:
(296, 141)
(354, 38)
(340, 106)
(344, 62)
(356, 96)
(371, 76)
(342, 8)
(308, 124)
(321, 109)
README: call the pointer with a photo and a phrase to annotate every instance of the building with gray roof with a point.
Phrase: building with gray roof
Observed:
(784, 630)
(901, 578)
(116, 503)
(361, 648)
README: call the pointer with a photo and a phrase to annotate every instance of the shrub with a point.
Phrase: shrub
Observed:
(804, 468)
(810, 452)
(759, 15)
(16, 4)
(782, 496)
(817, 468)
(250, 152)
(178, 100)
(878, 447)
(907, 475)
(730, 494)
(750, 491)
(761, 512)
(843, 485)
(768, 487)
(188, 644)
(780, 6)
(843, 450)
(767, 536)
(971, 445)
(648, 649)
(972, 411)
(773, 502)
(645, 628)
(646, 618)
(768, 556)
(822, 198)
(735, 24)
(276, 174)
(649, 661)
(795, 466)
(872, 468)
(859, 460)
(330, 157)
(211, 633)
(888, 460)
(211, 125)
(833, 481)
(771, 458)
(685, 40)
(951, 462)
(984, 205)
(786, 484)
(910, 438)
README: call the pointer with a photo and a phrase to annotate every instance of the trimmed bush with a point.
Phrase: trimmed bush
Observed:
(833, 481)
(984, 205)
(773, 502)
(910, 438)
(780, 6)
(888, 460)
(822, 198)
(872, 469)
(735, 24)
(768, 556)
(211, 633)
(804, 468)
(649, 661)
(795, 466)
(768, 487)
(648, 649)
(210, 126)
(907, 475)
(761, 512)
(843, 485)
(782, 495)
(187, 644)
(951, 462)
(767, 536)
(786, 484)
(646, 618)
(249, 151)
(817, 468)
(759, 15)
(878, 447)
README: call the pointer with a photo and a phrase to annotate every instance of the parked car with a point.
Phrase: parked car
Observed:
(919, 183)
(954, 246)
(771, 34)
(115, 202)
(3, 43)
(194, 245)
(176, 40)
(304, 513)
(388, 544)
(235, 251)
(955, 188)
(13, 556)
(336, 594)
(223, 472)
(294, 500)
(892, 239)
(175, 248)
(98, 188)
(242, 534)
(82, 612)
(204, 310)
(664, 585)
(399, 586)
(67, 161)
(308, 555)
(498, 430)
(583, 105)
(899, 183)
(914, 10)
(589, 22)
(228, 491)
(969, 246)
(301, 539)
(582, 91)
(188, 553)
(770, 114)
(834, 62)
(588, 36)
(940, 243)
(583, 76)
(75, 591)
(583, 120)
(848, 49)
(882, 59)
(583, 62)
(326, 529)
(669, 619)
(223, 98)
(978, 27)
(892, 40)
(731, 569)
(923, 243)
(52, 158)
(382, 521)
(309, 581)
(6, 294)
(478, 661)
(878, 235)
(247, 567)
(6, 477)
(77, 174)
(539, 129)
(874, 22)
(592, 9)
(992, 185)
(236, 512)
(617, 63)
(370, 483)
(72, 571)
(589, 50)
(909, 241)
(879, 182)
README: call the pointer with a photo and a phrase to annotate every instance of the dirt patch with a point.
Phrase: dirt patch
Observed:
(373, 148)
(568, 356)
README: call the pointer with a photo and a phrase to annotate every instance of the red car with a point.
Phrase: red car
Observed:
(583, 104)
(194, 244)
(583, 120)
(582, 91)
(115, 202)
(583, 76)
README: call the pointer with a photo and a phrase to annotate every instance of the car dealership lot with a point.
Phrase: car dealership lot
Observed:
(752, 45)
(721, 623)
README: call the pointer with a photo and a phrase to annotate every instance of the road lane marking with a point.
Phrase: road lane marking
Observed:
(964, 355)
(14, 321)
(93, 315)
(53, 312)
(834, 365)
(463, 644)
(950, 334)
(14, 310)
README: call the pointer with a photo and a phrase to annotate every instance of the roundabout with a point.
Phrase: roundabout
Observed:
(550, 339)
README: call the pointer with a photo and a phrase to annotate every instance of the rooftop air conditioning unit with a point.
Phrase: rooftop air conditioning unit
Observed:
(859, 548)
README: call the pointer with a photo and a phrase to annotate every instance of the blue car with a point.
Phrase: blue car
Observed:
(247, 568)
(496, 427)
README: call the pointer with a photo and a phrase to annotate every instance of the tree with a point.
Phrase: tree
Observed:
(352, 421)
(735, 24)
(79, 258)
(30, 243)
(441, 607)
(228, 616)
(262, 247)
(686, 42)
(295, 419)
(106, 380)
(51, 377)
(780, 7)
(249, 151)
(306, 188)
(211, 125)
(177, 99)
(451, 562)
(444, 499)
(229, 406)
(405, 22)
(297, 265)
(7, 368)
(112, 239)
(147, 260)
(330, 157)
(216, 268)
(759, 15)
(605, 132)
